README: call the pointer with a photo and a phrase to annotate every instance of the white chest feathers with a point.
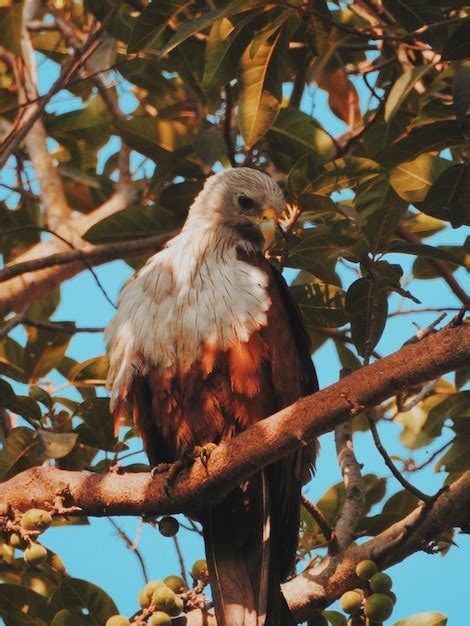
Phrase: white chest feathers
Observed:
(194, 293)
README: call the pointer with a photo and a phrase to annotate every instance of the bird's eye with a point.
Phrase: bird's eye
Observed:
(245, 203)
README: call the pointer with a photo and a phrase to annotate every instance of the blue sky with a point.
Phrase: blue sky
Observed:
(97, 554)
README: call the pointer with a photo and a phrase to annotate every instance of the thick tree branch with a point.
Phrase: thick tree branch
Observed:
(263, 443)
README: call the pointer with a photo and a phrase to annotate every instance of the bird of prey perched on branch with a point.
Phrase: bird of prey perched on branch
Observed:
(206, 341)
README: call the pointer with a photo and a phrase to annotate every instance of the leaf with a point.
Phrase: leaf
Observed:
(430, 137)
(382, 224)
(461, 92)
(75, 595)
(430, 618)
(260, 88)
(21, 606)
(11, 21)
(98, 425)
(402, 87)
(151, 23)
(449, 197)
(343, 98)
(367, 308)
(345, 173)
(69, 618)
(458, 45)
(19, 452)
(44, 351)
(322, 305)
(21, 405)
(307, 251)
(56, 445)
(421, 249)
(155, 137)
(319, 28)
(91, 372)
(335, 618)
(11, 359)
(295, 135)
(41, 396)
(412, 180)
(396, 508)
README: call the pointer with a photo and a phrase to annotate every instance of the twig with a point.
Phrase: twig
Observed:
(425, 391)
(416, 468)
(11, 324)
(389, 463)
(299, 83)
(431, 309)
(57, 327)
(132, 545)
(227, 126)
(323, 524)
(180, 559)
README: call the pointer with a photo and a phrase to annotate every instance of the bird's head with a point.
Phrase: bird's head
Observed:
(244, 200)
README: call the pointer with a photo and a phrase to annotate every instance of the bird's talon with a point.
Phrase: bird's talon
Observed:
(161, 468)
(205, 452)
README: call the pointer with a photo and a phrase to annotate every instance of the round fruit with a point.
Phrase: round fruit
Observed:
(18, 542)
(318, 620)
(351, 602)
(160, 618)
(164, 598)
(58, 564)
(36, 519)
(168, 526)
(393, 596)
(118, 620)
(7, 553)
(381, 583)
(356, 620)
(378, 607)
(199, 570)
(366, 569)
(144, 600)
(35, 554)
(175, 583)
(178, 608)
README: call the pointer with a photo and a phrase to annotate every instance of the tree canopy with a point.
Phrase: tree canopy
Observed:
(112, 115)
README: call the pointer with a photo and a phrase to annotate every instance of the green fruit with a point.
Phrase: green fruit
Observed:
(118, 620)
(144, 600)
(36, 519)
(392, 596)
(178, 608)
(318, 620)
(160, 619)
(356, 620)
(381, 583)
(378, 607)
(366, 569)
(351, 602)
(175, 583)
(199, 570)
(164, 598)
(145, 596)
(35, 554)
(17, 542)
(168, 526)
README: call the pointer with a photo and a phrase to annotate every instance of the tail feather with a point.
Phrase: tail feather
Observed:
(242, 560)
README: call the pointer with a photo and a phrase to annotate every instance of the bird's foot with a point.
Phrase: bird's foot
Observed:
(203, 452)
(161, 468)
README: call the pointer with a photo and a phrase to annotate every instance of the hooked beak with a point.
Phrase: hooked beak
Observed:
(267, 223)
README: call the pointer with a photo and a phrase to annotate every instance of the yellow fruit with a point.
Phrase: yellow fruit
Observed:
(35, 554)
(57, 563)
(378, 607)
(351, 602)
(168, 526)
(175, 583)
(145, 596)
(7, 553)
(199, 570)
(118, 620)
(164, 598)
(36, 519)
(17, 542)
(178, 608)
(381, 583)
(160, 619)
(39, 586)
(366, 569)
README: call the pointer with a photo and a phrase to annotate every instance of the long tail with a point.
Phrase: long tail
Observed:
(243, 559)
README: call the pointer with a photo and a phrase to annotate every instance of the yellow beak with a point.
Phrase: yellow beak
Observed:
(267, 223)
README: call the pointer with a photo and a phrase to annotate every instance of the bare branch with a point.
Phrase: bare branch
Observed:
(323, 524)
(132, 546)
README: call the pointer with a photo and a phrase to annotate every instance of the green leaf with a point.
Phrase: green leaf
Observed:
(412, 180)
(91, 372)
(11, 21)
(21, 606)
(75, 595)
(19, 452)
(151, 23)
(427, 138)
(41, 396)
(319, 28)
(322, 305)
(316, 245)
(69, 618)
(458, 45)
(44, 351)
(11, 359)
(345, 173)
(449, 197)
(155, 137)
(461, 91)
(402, 87)
(335, 618)
(367, 308)
(421, 249)
(56, 445)
(295, 135)
(430, 618)
(260, 88)
(98, 428)
(21, 405)
(382, 224)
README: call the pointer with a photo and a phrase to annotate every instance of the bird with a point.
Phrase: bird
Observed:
(206, 341)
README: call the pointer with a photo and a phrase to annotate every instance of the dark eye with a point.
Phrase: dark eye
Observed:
(245, 203)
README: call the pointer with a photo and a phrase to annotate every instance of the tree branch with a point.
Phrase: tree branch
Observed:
(260, 445)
